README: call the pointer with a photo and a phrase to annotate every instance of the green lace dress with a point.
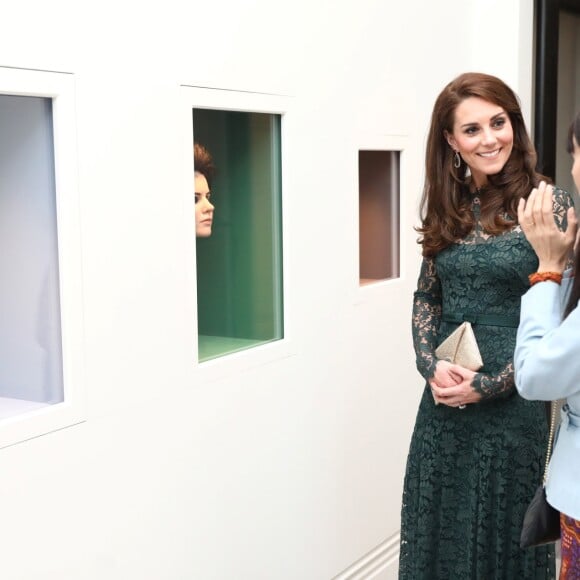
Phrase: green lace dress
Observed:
(471, 473)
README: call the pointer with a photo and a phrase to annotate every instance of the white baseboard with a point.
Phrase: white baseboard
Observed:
(381, 563)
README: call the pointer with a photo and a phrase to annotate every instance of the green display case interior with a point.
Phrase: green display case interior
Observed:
(239, 267)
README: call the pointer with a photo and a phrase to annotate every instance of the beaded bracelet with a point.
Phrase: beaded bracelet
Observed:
(544, 276)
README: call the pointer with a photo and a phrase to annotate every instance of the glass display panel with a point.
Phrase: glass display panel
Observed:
(238, 230)
(31, 374)
(379, 195)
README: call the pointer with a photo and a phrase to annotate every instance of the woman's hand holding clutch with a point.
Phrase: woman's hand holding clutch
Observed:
(451, 385)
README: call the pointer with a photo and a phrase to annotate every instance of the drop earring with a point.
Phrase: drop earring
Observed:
(456, 160)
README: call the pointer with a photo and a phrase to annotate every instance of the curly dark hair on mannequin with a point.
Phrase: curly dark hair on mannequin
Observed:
(203, 162)
(446, 204)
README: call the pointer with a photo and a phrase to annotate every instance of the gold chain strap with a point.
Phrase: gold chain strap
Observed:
(554, 406)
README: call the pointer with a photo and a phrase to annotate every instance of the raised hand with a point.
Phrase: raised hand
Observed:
(536, 217)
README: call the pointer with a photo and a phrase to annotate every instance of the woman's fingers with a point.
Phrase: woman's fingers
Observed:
(537, 202)
(547, 207)
(526, 211)
(452, 396)
(542, 212)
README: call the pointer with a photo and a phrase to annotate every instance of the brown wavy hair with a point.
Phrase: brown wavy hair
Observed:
(445, 205)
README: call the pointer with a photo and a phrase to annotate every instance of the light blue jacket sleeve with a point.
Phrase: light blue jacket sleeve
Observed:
(547, 367)
(547, 355)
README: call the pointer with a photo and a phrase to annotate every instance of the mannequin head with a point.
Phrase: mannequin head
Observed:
(203, 173)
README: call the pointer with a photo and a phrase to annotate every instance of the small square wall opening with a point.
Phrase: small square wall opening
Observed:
(379, 229)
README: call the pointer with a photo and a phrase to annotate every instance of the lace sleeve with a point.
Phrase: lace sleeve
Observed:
(426, 318)
(497, 385)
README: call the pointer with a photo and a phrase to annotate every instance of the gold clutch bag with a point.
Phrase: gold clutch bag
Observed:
(461, 348)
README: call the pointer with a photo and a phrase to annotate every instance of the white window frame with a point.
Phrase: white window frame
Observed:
(60, 88)
(195, 97)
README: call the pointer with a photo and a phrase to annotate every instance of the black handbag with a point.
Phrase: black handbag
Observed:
(542, 521)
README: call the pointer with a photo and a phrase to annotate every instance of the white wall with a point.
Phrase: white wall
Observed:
(249, 467)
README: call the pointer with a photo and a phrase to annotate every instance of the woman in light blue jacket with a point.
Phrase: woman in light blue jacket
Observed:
(547, 356)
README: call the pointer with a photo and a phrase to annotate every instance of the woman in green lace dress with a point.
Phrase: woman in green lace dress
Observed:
(477, 449)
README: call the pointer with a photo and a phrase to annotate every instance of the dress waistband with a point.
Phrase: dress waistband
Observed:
(484, 319)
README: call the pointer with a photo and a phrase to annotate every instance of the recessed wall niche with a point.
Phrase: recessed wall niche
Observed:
(30, 333)
(41, 301)
(379, 231)
(239, 260)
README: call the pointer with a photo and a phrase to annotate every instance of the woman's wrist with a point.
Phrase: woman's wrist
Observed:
(552, 266)
(545, 276)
